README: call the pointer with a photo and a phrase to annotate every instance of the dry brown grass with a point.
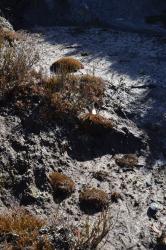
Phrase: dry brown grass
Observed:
(23, 224)
(65, 94)
(72, 94)
(8, 36)
(129, 160)
(92, 88)
(16, 66)
(61, 184)
(92, 234)
(93, 200)
(20, 230)
(95, 124)
(25, 97)
(66, 65)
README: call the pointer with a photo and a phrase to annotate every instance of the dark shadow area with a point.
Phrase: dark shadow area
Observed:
(85, 147)
(90, 209)
(82, 145)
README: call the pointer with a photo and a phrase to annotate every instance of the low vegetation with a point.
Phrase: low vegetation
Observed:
(95, 123)
(19, 229)
(129, 160)
(64, 93)
(70, 94)
(92, 234)
(66, 65)
(23, 226)
(92, 88)
(93, 200)
(62, 185)
(101, 175)
(16, 65)
(8, 36)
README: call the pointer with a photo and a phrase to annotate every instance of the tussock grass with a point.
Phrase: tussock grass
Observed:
(24, 225)
(95, 124)
(16, 65)
(72, 94)
(92, 234)
(93, 200)
(61, 184)
(66, 65)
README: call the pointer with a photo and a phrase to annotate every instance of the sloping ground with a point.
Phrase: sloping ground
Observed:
(133, 67)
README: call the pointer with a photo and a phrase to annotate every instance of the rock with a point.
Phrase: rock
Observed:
(152, 210)
(100, 175)
(63, 238)
(128, 160)
(40, 176)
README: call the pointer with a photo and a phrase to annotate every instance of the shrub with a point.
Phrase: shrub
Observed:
(92, 234)
(64, 94)
(22, 224)
(16, 65)
(92, 88)
(62, 185)
(19, 229)
(8, 35)
(66, 65)
(72, 94)
(93, 200)
(25, 97)
(95, 124)
(129, 160)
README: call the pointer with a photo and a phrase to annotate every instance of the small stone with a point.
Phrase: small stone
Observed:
(152, 210)
(100, 175)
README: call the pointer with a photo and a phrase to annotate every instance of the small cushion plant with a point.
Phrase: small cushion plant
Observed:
(62, 185)
(93, 200)
(66, 65)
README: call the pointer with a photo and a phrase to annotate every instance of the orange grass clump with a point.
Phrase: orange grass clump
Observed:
(9, 36)
(61, 184)
(93, 199)
(23, 224)
(92, 88)
(66, 65)
(95, 123)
